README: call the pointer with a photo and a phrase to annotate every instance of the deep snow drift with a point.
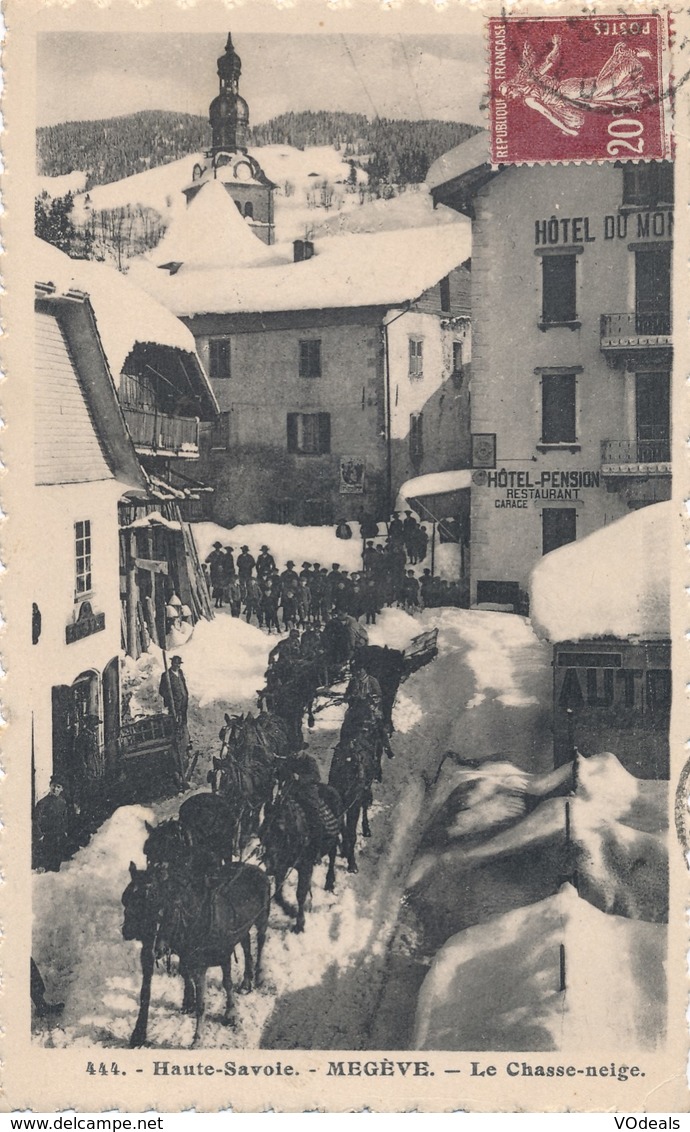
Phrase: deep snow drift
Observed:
(499, 839)
(631, 558)
(498, 985)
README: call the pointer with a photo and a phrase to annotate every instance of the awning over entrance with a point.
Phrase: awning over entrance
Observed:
(435, 496)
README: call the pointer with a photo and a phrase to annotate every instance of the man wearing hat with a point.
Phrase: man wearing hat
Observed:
(216, 569)
(245, 566)
(289, 576)
(175, 696)
(396, 533)
(410, 535)
(50, 828)
(265, 563)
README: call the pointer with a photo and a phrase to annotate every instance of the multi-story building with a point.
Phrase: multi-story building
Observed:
(339, 374)
(572, 350)
(84, 461)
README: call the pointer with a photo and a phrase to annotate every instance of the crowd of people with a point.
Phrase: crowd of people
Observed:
(287, 599)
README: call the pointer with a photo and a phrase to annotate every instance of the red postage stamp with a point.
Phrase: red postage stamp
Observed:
(578, 88)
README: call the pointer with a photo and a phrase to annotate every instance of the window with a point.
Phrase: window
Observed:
(249, 210)
(457, 357)
(557, 527)
(309, 434)
(646, 186)
(559, 300)
(416, 357)
(558, 416)
(310, 357)
(653, 289)
(416, 437)
(444, 287)
(219, 358)
(502, 593)
(82, 539)
(653, 417)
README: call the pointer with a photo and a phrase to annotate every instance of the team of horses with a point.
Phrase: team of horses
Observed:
(206, 885)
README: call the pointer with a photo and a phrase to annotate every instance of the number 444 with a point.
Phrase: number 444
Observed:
(103, 1069)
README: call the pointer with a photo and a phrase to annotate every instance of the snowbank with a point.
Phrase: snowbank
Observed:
(125, 315)
(497, 986)
(312, 544)
(615, 582)
(225, 662)
(500, 839)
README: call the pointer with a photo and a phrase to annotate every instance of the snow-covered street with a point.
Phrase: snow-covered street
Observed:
(336, 986)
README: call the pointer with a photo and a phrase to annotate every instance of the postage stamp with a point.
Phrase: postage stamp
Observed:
(404, 824)
(600, 83)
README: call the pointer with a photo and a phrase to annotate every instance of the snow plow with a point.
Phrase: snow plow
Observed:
(421, 650)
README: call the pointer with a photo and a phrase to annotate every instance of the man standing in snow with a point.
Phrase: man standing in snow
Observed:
(265, 563)
(50, 828)
(216, 566)
(245, 567)
(173, 691)
(289, 576)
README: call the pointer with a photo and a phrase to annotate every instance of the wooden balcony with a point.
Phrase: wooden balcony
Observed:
(633, 331)
(159, 434)
(636, 458)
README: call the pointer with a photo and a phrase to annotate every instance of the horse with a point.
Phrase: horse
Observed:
(290, 841)
(245, 773)
(291, 688)
(206, 827)
(354, 766)
(178, 915)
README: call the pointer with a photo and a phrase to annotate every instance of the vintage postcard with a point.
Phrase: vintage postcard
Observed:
(345, 645)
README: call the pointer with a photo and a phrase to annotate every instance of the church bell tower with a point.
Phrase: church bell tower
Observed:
(228, 160)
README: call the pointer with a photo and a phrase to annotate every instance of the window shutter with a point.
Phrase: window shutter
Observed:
(324, 432)
(558, 409)
(304, 359)
(292, 445)
(559, 296)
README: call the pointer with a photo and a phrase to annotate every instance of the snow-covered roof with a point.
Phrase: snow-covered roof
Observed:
(211, 233)
(377, 269)
(615, 582)
(471, 154)
(437, 483)
(125, 315)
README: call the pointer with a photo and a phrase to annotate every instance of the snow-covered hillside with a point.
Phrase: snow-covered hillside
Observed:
(312, 197)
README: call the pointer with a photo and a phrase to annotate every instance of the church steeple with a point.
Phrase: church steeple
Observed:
(229, 113)
(227, 160)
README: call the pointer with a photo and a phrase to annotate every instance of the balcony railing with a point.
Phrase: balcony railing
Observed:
(636, 457)
(155, 433)
(633, 331)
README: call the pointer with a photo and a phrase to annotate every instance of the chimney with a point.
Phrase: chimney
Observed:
(302, 249)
